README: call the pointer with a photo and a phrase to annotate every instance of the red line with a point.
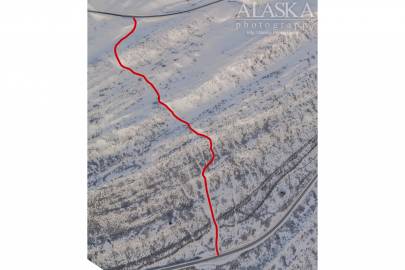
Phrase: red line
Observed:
(178, 118)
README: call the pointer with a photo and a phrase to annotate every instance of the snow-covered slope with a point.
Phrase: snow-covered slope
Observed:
(255, 94)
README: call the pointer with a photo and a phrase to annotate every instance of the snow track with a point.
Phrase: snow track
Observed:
(178, 118)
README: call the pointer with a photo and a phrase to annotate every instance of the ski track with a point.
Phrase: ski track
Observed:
(178, 118)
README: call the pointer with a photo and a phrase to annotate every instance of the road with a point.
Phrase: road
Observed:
(154, 15)
(246, 246)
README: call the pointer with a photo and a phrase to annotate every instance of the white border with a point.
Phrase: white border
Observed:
(361, 135)
(43, 135)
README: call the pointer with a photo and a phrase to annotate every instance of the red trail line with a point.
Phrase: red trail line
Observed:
(178, 118)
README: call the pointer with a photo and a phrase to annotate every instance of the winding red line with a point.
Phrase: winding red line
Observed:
(178, 118)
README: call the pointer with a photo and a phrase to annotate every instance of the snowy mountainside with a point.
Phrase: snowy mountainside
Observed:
(255, 95)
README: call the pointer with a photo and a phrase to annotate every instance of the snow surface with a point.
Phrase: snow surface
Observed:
(255, 94)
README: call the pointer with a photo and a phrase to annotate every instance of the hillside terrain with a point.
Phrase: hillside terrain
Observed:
(254, 93)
